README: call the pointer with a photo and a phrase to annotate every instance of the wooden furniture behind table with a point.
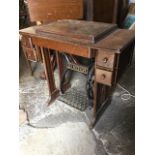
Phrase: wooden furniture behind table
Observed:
(108, 11)
(42, 12)
(51, 10)
(111, 47)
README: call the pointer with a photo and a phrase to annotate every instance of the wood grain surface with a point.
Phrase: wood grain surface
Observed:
(50, 10)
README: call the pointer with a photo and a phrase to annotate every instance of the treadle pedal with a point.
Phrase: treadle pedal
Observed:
(75, 98)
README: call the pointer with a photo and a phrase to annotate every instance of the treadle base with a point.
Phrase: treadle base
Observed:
(75, 98)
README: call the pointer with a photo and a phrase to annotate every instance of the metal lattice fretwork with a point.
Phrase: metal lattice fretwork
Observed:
(75, 98)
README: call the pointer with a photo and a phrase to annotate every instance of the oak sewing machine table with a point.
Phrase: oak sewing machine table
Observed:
(108, 48)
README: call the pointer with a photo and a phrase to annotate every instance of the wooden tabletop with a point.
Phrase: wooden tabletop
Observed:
(117, 40)
(84, 33)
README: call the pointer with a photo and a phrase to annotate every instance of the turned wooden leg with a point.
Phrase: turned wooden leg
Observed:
(53, 91)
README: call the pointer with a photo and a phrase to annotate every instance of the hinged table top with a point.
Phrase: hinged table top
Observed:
(82, 35)
(87, 31)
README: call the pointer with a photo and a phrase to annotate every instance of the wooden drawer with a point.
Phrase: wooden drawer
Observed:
(31, 52)
(26, 41)
(105, 59)
(104, 77)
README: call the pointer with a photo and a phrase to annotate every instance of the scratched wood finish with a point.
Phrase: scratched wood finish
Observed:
(64, 47)
(50, 10)
(89, 32)
(59, 44)
(119, 42)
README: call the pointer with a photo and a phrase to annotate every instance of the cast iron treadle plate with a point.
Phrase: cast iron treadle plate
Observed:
(75, 98)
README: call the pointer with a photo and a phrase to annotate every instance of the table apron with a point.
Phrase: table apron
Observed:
(60, 46)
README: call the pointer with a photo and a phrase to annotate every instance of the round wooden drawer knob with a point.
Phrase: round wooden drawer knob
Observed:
(105, 60)
(103, 76)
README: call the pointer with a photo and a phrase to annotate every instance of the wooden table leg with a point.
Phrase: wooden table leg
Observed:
(95, 99)
(101, 101)
(53, 91)
(60, 65)
(28, 62)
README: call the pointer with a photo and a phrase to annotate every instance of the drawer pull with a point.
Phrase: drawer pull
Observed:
(105, 60)
(103, 76)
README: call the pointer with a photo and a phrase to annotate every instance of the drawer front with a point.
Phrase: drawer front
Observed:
(104, 77)
(26, 41)
(105, 59)
(31, 52)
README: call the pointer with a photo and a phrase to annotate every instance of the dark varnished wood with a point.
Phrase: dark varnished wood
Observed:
(57, 43)
(53, 91)
(121, 50)
(86, 31)
(117, 46)
(66, 39)
(108, 11)
(105, 59)
(106, 8)
(118, 40)
(64, 46)
(50, 10)
(32, 51)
